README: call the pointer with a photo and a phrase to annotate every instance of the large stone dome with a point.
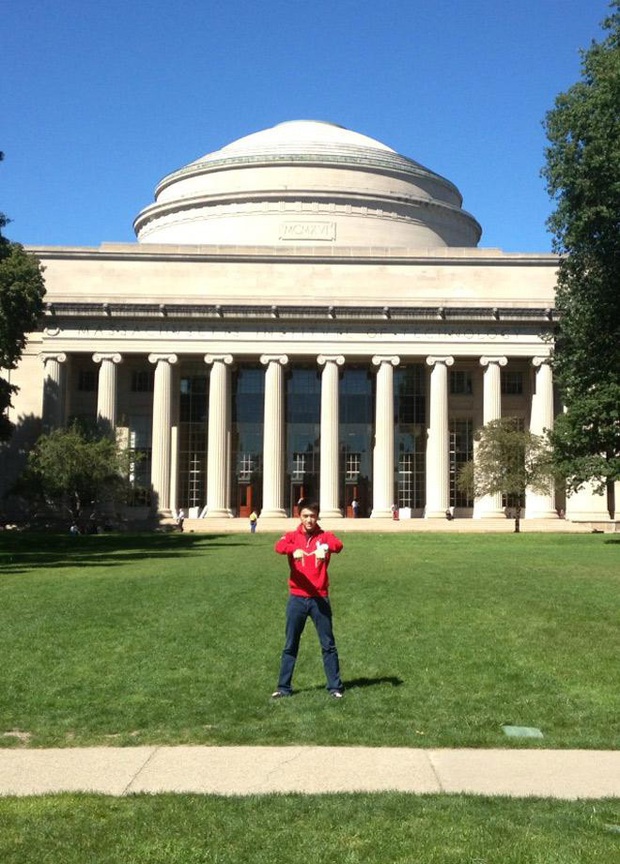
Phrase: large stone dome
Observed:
(307, 182)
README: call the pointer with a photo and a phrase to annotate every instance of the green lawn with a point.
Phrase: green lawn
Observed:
(329, 829)
(176, 639)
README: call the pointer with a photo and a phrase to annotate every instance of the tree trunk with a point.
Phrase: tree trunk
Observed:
(611, 498)
(517, 519)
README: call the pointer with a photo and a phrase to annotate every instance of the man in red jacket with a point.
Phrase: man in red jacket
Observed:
(308, 549)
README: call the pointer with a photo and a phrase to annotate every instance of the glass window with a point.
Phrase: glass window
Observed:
(353, 466)
(461, 383)
(410, 435)
(143, 380)
(303, 430)
(193, 412)
(246, 464)
(247, 423)
(140, 448)
(512, 383)
(356, 407)
(461, 452)
(299, 466)
(87, 380)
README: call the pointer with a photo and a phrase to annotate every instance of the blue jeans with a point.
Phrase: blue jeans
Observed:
(298, 610)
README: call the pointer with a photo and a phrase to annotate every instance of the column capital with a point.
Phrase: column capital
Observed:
(541, 361)
(378, 359)
(169, 358)
(58, 356)
(114, 357)
(432, 360)
(223, 358)
(322, 359)
(486, 361)
(266, 359)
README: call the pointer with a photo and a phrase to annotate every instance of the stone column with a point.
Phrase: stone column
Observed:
(106, 390)
(437, 464)
(53, 390)
(383, 455)
(161, 449)
(274, 451)
(540, 505)
(218, 444)
(490, 506)
(174, 469)
(330, 426)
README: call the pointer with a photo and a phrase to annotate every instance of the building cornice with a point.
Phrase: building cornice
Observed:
(359, 255)
(371, 204)
(361, 159)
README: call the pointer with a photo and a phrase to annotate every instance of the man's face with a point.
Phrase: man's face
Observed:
(309, 519)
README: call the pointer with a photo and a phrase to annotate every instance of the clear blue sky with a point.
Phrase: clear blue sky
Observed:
(99, 100)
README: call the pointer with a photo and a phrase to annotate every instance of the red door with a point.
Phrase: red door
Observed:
(244, 497)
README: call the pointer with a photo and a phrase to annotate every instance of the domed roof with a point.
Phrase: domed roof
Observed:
(304, 136)
(307, 180)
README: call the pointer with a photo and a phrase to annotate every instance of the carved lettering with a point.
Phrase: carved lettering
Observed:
(308, 231)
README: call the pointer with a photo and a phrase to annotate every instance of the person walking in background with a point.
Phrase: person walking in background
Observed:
(309, 549)
(253, 521)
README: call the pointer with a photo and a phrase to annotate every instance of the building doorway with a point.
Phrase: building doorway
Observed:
(359, 493)
(247, 500)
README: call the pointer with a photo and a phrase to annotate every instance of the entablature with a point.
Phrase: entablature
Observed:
(305, 312)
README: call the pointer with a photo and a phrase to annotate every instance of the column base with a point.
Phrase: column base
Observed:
(273, 514)
(222, 513)
(489, 514)
(330, 514)
(435, 514)
(381, 514)
(540, 514)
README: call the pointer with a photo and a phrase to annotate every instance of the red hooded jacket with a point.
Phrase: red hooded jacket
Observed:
(308, 576)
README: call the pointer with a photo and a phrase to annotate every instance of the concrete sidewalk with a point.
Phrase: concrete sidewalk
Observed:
(567, 774)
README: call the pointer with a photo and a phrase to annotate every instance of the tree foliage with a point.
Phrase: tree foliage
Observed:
(582, 172)
(509, 460)
(77, 470)
(21, 302)
(585, 439)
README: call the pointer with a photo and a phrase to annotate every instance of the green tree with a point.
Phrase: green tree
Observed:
(21, 302)
(509, 460)
(78, 471)
(582, 172)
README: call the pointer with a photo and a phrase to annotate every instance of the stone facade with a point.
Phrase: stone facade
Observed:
(306, 313)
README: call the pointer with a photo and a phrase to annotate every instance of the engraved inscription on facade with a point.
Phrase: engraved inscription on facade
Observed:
(307, 231)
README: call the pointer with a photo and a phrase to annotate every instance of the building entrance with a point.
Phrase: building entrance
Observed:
(247, 499)
(357, 503)
(298, 490)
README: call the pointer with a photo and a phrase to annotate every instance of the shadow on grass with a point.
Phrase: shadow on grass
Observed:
(392, 680)
(355, 683)
(29, 550)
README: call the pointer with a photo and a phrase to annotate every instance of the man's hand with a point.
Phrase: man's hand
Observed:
(298, 553)
(321, 550)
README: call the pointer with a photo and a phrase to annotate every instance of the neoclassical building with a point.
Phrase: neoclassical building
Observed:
(305, 311)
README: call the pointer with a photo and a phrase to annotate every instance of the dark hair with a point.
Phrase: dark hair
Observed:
(308, 504)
